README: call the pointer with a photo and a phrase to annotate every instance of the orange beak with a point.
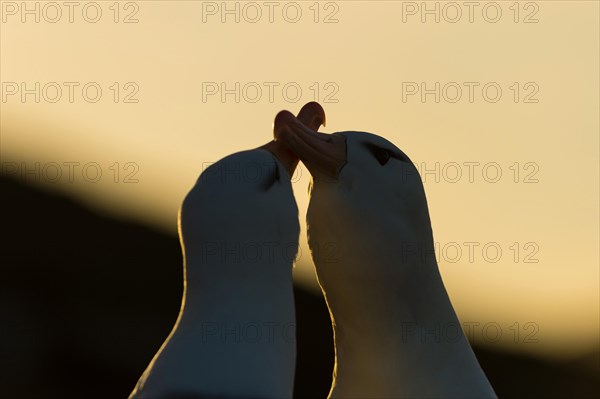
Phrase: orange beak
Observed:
(323, 154)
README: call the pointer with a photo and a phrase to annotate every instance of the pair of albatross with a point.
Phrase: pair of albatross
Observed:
(396, 333)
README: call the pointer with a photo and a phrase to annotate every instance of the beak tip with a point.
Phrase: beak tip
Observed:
(312, 115)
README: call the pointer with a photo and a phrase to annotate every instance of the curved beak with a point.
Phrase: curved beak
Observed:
(311, 115)
(323, 154)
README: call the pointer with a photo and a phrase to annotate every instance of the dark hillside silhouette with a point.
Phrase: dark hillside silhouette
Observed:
(86, 300)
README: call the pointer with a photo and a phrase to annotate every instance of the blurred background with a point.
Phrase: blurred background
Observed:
(111, 109)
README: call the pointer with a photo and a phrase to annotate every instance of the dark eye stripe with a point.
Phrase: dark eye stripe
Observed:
(383, 155)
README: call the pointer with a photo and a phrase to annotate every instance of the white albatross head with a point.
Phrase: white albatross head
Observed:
(372, 244)
(366, 193)
(235, 334)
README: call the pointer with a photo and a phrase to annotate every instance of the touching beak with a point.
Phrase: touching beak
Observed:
(311, 115)
(323, 154)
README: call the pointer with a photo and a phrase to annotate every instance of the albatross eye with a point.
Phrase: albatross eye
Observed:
(382, 155)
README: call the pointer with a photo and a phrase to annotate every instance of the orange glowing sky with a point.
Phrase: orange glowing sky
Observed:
(356, 68)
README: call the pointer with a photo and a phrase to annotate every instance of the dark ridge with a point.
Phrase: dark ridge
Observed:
(86, 300)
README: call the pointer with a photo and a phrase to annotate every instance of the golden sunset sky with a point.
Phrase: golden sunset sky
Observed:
(367, 63)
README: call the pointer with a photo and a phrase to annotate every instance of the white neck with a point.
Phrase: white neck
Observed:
(397, 335)
(235, 335)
